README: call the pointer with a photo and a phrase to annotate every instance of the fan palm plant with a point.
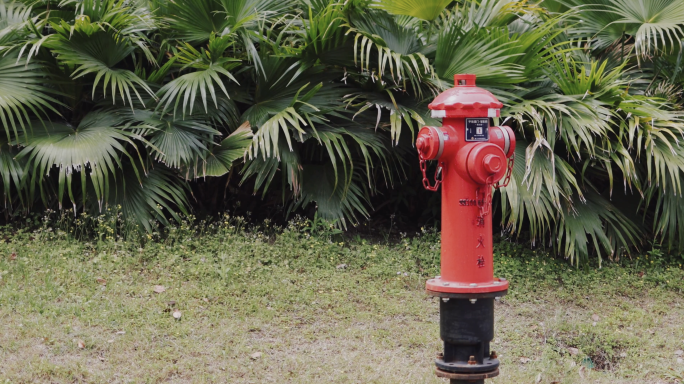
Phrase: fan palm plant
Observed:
(134, 103)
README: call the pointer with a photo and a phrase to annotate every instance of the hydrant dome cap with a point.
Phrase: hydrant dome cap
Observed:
(465, 100)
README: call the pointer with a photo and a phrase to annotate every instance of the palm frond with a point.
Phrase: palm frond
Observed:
(591, 80)
(398, 49)
(332, 203)
(14, 18)
(580, 124)
(210, 64)
(492, 13)
(155, 196)
(668, 220)
(24, 94)
(652, 26)
(654, 134)
(288, 107)
(221, 157)
(477, 52)
(398, 113)
(422, 9)
(93, 51)
(265, 169)
(593, 21)
(591, 222)
(12, 174)
(93, 150)
(118, 15)
(268, 134)
(175, 143)
(196, 20)
(323, 33)
(657, 23)
(525, 207)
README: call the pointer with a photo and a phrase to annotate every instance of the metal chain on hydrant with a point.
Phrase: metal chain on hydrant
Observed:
(509, 171)
(426, 182)
(482, 198)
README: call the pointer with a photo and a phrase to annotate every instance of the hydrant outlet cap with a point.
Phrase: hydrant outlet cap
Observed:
(485, 163)
(429, 143)
(492, 163)
(421, 144)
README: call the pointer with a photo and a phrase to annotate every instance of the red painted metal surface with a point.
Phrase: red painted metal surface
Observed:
(466, 100)
(469, 172)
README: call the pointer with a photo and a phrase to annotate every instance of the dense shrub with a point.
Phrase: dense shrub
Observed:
(145, 107)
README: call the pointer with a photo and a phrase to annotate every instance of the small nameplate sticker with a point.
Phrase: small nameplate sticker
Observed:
(477, 129)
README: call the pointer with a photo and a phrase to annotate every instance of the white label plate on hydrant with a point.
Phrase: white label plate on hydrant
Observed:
(477, 129)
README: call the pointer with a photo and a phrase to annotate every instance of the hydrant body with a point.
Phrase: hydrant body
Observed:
(473, 157)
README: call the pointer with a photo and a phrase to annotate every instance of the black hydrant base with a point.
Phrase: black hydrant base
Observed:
(466, 377)
(463, 367)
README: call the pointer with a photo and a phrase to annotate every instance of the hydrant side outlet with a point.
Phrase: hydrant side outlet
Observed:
(473, 159)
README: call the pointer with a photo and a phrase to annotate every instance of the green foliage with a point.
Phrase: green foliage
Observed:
(108, 103)
(26, 94)
(425, 10)
(209, 64)
(97, 144)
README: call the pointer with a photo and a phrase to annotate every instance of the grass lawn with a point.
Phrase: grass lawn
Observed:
(260, 308)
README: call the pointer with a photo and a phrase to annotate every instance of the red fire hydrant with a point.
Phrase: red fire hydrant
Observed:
(472, 158)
